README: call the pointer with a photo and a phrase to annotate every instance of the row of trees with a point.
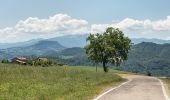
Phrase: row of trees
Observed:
(37, 62)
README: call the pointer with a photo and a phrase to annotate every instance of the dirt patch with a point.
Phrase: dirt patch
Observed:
(129, 76)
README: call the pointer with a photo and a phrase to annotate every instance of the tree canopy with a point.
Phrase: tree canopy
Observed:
(110, 46)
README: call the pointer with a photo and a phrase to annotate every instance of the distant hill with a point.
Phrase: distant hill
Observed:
(46, 45)
(70, 56)
(66, 53)
(80, 40)
(75, 51)
(71, 40)
(19, 44)
(39, 48)
(151, 57)
(143, 57)
(67, 41)
(157, 41)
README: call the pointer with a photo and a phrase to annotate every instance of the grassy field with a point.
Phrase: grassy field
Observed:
(53, 83)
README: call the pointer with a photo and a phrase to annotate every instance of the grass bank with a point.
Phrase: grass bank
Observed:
(53, 83)
(167, 85)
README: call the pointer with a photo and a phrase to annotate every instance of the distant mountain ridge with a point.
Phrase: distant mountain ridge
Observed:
(39, 48)
(148, 56)
(74, 41)
(143, 57)
(47, 45)
(71, 40)
(19, 44)
(157, 41)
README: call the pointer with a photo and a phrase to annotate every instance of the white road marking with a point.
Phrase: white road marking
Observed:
(162, 85)
(112, 89)
(164, 91)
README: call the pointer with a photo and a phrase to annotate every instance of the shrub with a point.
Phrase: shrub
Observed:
(4, 61)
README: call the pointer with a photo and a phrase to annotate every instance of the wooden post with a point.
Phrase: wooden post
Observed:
(96, 67)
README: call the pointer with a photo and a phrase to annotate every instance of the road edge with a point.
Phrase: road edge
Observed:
(101, 95)
(164, 90)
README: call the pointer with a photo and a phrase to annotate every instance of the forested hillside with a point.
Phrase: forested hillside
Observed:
(151, 57)
(143, 58)
(40, 48)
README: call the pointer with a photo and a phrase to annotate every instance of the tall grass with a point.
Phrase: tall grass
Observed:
(52, 83)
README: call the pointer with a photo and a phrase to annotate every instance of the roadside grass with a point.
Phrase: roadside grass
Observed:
(53, 83)
(167, 85)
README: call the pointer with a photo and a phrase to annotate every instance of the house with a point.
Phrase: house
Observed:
(20, 60)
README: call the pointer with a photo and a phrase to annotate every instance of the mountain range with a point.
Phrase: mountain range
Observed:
(37, 49)
(152, 56)
(157, 41)
(143, 57)
(70, 41)
(148, 56)
(19, 44)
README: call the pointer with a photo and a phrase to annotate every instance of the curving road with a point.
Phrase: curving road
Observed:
(141, 88)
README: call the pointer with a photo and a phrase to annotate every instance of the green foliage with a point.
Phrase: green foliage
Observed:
(33, 61)
(4, 61)
(53, 83)
(149, 73)
(150, 57)
(42, 63)
(110, 46)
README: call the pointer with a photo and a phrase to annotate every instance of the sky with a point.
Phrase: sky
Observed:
(22, 20)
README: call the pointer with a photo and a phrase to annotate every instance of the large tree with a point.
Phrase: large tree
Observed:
(110, 46)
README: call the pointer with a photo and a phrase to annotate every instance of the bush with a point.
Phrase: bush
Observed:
(149, 73)
(4, 61)
(35, 62)
(42, 63)
(47, 63)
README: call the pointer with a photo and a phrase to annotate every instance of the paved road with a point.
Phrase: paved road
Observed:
(142, 88)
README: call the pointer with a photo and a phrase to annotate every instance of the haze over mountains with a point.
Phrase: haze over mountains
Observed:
(73, 41)
(146, 54)
(19, 44)
(37, 49)
(157, 41)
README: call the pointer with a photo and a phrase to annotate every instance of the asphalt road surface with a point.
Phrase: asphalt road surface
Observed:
(141, 88)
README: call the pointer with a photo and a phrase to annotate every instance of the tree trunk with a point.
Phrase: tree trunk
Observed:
(105, 67)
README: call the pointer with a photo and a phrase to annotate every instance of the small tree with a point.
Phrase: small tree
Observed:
(110, 46)
(4, 61)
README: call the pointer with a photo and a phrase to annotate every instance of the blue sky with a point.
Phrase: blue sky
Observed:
(95, 13)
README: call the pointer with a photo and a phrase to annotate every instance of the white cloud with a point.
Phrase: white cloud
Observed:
(139, 28)
(63, 24)
(57, 25)
(167, 38)
(132, 24)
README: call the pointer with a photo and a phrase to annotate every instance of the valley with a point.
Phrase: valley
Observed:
(143, 57)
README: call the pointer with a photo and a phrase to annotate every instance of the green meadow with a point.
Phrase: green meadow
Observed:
(54, 83)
